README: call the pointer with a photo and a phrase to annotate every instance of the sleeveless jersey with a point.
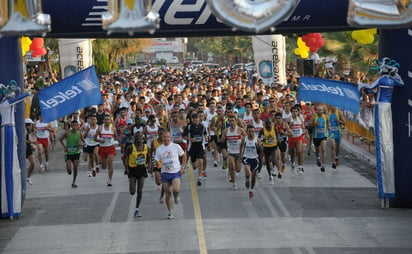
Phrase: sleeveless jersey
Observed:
(136, 130)
(138, 158)
(285, 115)
(281, 130)
(320, 131)
(296, 127)
(269, 137)
(107, 136)
(72, 143)
(250, 148)
(151, 134)
(334, 124)
(248, 118)
(258, 126)
(90, 137)
(233, 140)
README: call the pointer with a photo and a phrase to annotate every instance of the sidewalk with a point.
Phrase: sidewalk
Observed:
(359, 149)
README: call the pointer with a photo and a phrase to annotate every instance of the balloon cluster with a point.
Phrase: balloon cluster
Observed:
(37, 47)
(302, 50)
(25, 45)
(314, 41)
(365, 36)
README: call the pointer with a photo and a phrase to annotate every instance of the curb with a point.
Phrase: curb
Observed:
(358, 152)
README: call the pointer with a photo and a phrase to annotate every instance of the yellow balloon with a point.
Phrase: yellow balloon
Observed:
(25, 45)
(297, 51)
(367, 39)
(357, 34)
(304, 54)
(301, 43)
(371, 31)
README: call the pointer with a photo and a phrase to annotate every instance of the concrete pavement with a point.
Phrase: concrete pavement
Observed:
(333, 212)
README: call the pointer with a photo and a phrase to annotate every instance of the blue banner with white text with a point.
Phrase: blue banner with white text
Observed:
(343, 95)
(78, 91)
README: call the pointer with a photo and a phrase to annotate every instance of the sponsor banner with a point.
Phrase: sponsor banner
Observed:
(75, 55)
(270, 58)
(81, 19)
(343, 95)
(78, 91)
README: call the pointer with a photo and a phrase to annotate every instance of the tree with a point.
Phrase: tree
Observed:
(107, 52)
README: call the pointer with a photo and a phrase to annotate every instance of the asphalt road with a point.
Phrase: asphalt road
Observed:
(333, 212)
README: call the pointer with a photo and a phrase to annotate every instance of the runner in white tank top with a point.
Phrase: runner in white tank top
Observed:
(233, 136)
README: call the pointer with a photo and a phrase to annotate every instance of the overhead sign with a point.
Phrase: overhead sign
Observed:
(182, 18)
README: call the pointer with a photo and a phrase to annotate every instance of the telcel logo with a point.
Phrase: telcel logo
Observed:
(62, 97)
(323, 88)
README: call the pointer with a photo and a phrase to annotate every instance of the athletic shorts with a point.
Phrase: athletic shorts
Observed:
(105, 151)
(29, 151)
(196, 152)
(317, 141)
(139, 171)
(337, 140)
(252, 163)
(234, 155)
(169, 177)
(283, 144)
(294, 140)
(221, 145)
(267, 151)
(89, 149)
(72, 157)
(43, 141)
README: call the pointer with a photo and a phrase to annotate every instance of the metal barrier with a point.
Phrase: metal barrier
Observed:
(356, 130)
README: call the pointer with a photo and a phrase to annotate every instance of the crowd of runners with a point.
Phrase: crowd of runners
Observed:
(166, 120)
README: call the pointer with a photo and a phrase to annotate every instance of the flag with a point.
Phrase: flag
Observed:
(78, 91)
(343, 95)
(270, 58)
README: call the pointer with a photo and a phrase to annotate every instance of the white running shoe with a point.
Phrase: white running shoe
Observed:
(170, 216)
(28, 180)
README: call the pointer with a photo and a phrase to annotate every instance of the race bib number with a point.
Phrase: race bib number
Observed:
(168, 165)
(270, 141)
(198, 138)
(72, 149)
(140, 160)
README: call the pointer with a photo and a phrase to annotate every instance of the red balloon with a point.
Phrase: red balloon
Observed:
(33, 54)
(317, 35)
(37, 43)
(305, 38)
(311, 41)
(41, 51)
(313, 49)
